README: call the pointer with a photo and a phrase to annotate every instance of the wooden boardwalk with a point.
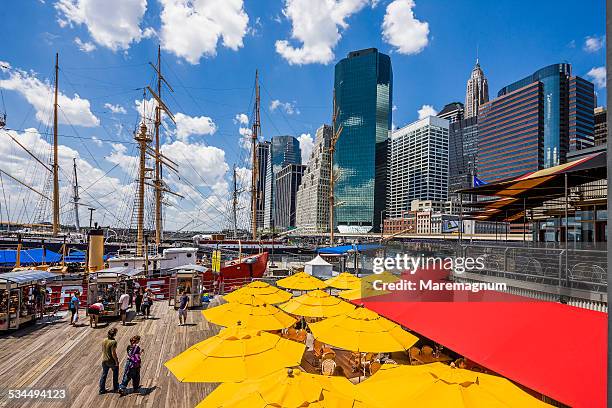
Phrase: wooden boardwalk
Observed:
(55, 355)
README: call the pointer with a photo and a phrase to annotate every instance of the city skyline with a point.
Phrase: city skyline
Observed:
(104, 65)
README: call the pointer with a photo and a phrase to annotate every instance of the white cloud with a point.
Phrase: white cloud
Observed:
(113, 24)
(402, 30)
(241, 118)
(84, 46)
(394, 108)
(288, 107)
(598, 76)
(193, 125)
(425, 111)
(316, 24)
(593, 43)
(245, 138)
(192, 29)
(115, 108)
(97, 141)
(306, 145)
(73, 110)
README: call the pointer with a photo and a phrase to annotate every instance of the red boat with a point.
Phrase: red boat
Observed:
(238, 271)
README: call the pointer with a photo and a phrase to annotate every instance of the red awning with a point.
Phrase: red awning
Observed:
(557, 350)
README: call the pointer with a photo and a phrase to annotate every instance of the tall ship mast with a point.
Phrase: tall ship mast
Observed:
(254, 172)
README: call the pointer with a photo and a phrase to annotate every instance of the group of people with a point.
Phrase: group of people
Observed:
(110, 362)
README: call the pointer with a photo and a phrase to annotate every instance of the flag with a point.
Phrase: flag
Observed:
(478, 182)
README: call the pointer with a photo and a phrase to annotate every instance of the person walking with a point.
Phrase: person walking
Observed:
(147, 302)
(132, 366)
(124, 305)
(73, 306)
(138, 301)
(109, 361)
(182, 310)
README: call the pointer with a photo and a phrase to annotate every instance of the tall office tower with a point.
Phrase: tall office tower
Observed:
(453, 112)
(287, 181)
(511, 134)
(557, 100)
(363, 88)
(418, 164)
(581, 115)
(284, 150)
(477, 91)
(462, 154)
(601, 126)
(312, 205)
(263, 151)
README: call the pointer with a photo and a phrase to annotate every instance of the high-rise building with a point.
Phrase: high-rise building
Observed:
(312, 206)
(557, 94)
(363, 88)
(534, 122)
(511, 134)
(477, 91)
(581, 114)
(462, 154)
(418, 164)
(453, 112)
(284, 150)
(263, 151)
(601, 126)
(287, 181)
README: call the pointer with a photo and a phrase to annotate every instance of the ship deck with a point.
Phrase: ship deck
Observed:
(54, 355)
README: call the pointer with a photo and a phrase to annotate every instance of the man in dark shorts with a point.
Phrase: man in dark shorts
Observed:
(109, 361)
(182, 310)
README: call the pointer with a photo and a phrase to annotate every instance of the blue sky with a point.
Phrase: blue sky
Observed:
(210, 61)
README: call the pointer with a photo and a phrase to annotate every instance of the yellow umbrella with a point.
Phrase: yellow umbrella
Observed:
(316, 303)
(264, 291)
(235, 354)
(385, 276)
(344, 280)
(364, 331)
(439, 385)
(361, 293)
(301, 281)
(251, 312)
(290, 388)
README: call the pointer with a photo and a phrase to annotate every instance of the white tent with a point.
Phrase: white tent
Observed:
(318, 267)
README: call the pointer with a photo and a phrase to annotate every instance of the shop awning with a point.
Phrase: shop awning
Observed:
(343, 249)
(20, 277)
(531, 190)
(557, 350)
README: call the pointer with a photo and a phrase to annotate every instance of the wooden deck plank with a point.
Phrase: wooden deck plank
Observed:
(56, 355)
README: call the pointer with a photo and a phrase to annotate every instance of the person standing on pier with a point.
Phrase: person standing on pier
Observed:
(124, 304)
(110, 361)
(182, 310)
(132, 366)
(138, 301)
(74, 308)
(147, 302)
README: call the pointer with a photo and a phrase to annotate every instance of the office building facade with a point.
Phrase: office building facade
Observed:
(418, 164)
(287, 181)
(284, 150)
(476, 92)
(363, 87)
(312, 206)
(581, 113)
(453, 112)
(263, 151)
(462, 154)
(511, 134)
(601, 126)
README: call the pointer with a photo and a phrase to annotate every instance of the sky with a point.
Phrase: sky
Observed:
(210, 52)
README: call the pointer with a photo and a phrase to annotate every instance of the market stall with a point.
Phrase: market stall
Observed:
(109, 284)
(22, 297)
(188, 279)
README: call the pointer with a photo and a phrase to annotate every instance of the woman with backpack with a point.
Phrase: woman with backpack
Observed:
(132, 366)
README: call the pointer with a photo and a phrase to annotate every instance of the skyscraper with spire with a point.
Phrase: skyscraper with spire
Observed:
(477, 91)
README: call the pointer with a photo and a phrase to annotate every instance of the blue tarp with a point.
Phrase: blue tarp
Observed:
(29, 256)
(343, 249)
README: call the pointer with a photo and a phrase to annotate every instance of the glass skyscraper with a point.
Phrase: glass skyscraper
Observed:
(363, 88)
(284, 150)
